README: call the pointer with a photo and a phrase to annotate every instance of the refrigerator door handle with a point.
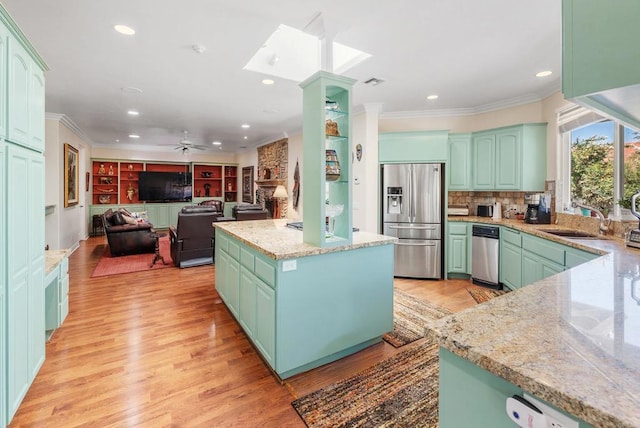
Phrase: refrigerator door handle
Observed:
(412, 214)
(419, 244)
(413, 227)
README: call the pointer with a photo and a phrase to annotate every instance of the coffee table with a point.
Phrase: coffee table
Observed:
(157, 256)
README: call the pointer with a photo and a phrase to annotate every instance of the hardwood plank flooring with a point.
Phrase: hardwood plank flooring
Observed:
(160, 349)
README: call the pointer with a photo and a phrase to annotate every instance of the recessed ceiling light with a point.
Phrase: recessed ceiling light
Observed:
(544, 73)
(217, 143)
(123, 29)
(432, 97)
(268, 81)
(134, 136)
(133, 113)
(246, 126)
(245, 137)
(117, 141)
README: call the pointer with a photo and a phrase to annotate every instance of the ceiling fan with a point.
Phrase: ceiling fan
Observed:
(185, 145)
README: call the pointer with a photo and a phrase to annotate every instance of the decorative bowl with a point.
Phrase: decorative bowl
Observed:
(104, 199)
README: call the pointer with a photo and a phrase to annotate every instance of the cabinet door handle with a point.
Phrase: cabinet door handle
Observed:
(413, 227)
(420, 244)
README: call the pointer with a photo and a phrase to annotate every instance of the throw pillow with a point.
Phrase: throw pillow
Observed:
(129, 220)
(118, 219)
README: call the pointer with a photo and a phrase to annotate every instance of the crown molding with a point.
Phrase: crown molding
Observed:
(70, 124)
(470, 111)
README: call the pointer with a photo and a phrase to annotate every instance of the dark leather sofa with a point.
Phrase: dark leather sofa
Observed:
(218, 205)
(125, 238)
(193, 238)
(249, 212)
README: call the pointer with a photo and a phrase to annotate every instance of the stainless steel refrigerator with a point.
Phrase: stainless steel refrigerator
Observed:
(412, 212)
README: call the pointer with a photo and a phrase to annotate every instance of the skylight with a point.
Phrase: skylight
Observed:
(295, 55)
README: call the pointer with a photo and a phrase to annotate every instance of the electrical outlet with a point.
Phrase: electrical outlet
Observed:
(289, 265)
(555, 419)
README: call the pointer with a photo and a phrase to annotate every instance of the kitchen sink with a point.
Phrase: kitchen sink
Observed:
(571, 234)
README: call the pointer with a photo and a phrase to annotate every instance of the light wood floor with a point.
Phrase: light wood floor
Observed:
(160, 349)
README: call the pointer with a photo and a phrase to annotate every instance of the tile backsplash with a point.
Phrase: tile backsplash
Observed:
(508, 200)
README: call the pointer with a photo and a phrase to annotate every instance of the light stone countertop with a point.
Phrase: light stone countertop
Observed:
(572, 339)
(277, 241)
(53, 258)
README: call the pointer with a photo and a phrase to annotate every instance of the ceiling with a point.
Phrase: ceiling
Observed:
(476, 55)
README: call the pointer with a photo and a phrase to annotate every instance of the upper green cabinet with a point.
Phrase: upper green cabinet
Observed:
(23, 98)
(511, 158)
(600, 58)
(327, 159)
(415, 146)
(459, 170)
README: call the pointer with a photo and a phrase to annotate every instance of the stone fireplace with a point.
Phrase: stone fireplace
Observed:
(273, 170)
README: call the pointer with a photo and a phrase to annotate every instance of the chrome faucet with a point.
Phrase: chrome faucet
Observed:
(604, 222)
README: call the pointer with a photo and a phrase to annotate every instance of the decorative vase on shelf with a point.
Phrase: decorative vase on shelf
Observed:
(332, 165)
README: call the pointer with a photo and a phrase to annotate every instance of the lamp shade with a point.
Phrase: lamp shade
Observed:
(280, 192)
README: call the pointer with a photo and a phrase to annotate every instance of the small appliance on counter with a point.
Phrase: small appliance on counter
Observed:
(458, 210)
(485, 211)
(538, 208)
(497, 212)
(633, 239)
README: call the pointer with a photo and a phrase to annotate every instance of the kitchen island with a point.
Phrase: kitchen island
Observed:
(571, 340)
(301, 305)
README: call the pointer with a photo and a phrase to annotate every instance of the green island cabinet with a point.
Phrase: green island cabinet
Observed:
(472, 396)
(326, 99)
(458, 249)
(308, 311)
(510, 158)
(600, 65)
(22, 256)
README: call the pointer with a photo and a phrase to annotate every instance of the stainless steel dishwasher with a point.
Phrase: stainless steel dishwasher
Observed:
(485, 256)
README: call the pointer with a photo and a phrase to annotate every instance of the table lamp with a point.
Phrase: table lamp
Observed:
(279, 193)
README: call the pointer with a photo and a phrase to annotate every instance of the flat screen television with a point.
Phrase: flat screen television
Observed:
(164, 186)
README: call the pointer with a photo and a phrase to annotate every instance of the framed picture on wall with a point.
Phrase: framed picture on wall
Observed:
(70, 175)
(247, 184)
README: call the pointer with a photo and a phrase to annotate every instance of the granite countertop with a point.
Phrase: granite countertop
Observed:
(53, 258)
(572, 339)
(277, 241)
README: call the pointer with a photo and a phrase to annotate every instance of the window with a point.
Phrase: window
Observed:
(599, 163)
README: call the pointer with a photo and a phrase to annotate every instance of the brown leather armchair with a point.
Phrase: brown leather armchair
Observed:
(249, 212)
(127, 238)
(192, 240)
(218, 205)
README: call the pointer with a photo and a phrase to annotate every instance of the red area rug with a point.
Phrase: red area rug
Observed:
(134, 263)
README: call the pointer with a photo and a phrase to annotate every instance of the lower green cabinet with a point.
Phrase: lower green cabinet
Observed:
(511, 265)
(458, 246)
(265, 330)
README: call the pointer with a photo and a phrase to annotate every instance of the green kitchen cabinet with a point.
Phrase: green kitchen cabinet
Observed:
(413, 146)
(600, 65)
(3, 287)
(511, 258)
(510, 158)
(541, 258)
(484, 162)
(458, 243)
(471, 396)
(158, 215)
(297, 317)
(25, 97)
(575, 257)
(25, 272)
(323, 190)
(459, 162)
